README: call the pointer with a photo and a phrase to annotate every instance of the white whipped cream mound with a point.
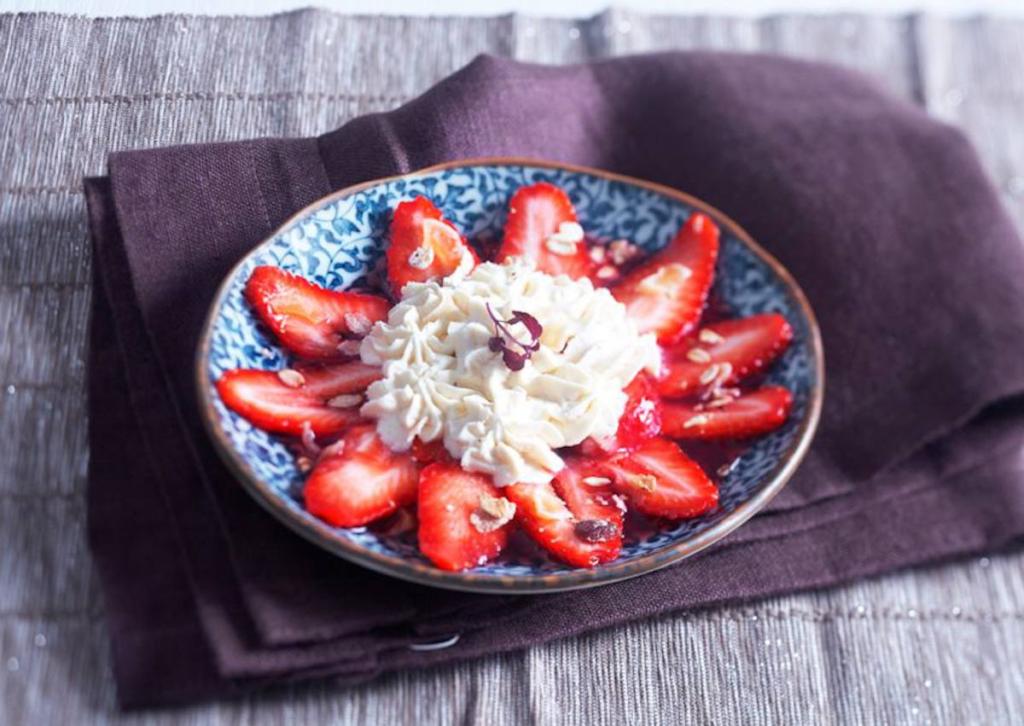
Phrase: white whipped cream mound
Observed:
(441, 380)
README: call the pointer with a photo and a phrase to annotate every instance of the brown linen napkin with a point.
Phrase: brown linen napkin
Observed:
(884, 216)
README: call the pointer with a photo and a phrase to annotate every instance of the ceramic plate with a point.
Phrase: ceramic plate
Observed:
(336, 242)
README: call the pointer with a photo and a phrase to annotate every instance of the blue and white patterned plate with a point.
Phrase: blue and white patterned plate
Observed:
(336, 242)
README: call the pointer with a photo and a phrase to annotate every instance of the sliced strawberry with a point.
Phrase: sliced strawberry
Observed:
(575, 518)
(751, 414)
(424, 245)
(724, 353)
(326, 381)
(430, 451)
(278, 401)
(666, 294)
(309, 320)
(660, 480)
(641, 419)
(456, 530)
(534, 230)
(360, 481)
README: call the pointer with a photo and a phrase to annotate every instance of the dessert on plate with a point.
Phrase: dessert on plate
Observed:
(555, 386)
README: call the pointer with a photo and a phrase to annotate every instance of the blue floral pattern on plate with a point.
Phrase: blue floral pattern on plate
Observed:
(337, 243)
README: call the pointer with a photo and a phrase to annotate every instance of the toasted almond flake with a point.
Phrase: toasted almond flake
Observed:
(710, 337)
(421, 257)
(597, 254)
(699, 420)
(345, 400)
(547, 505)
(709, 374)
(349, 347)
(622, 251)
(571, 231)
(596, 481)
(647, 482)
(357, 323)
(304, 464)
(559, 246)
(494, 512)
(606, 272)
(291, 378)
(724, 373)
(666, 280)
(497, 507)
(698, 355)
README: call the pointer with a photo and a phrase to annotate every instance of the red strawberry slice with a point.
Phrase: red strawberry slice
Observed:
(660, 480)
(575, 518)
(457, 529)
(424, 245)
(326, 381)
(751, 414)
(641, 419)
(724, 353)
(534, 230)
(360, 481)
(281, 403)
(427, 452)
(666, 294)
(309, 320)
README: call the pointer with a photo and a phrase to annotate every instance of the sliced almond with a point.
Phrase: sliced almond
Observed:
(421, 257)
(494, 512)
(607, 272)
(665, 281)
(709, 374)
(710, 337)
(357, 323)
(596, 481)
(291, 378)
(699, 420)
(622, 251)
(597, 254)
(698, 355)
(647, 482)
(559, 246)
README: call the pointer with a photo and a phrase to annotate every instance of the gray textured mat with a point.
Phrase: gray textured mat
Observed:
(943, 645)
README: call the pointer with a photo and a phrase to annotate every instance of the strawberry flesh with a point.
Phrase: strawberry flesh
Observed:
(360, 481)
(666, 294)
(575, 517)
(449, 503)
(641, 419)
(265, 400)
(660, 480)
(746, 345)
(751, 414)
(309, 320)
(535, 213)
(424, 245)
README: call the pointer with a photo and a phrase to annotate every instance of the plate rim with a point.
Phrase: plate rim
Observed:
(468, 581)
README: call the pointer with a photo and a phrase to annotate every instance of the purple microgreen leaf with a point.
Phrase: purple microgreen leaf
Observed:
(513, 361)
(528, 321)
(503, 338)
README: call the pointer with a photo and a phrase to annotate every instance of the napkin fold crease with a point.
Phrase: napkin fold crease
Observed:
(884, 215)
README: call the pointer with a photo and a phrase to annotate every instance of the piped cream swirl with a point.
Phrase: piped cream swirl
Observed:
(441, 380)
